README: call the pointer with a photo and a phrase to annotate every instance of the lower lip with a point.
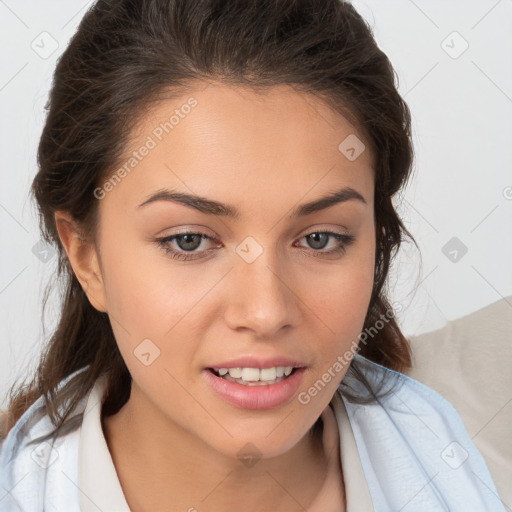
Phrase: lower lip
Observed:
(256, 397)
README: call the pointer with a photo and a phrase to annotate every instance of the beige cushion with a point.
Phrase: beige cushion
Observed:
(469, 362)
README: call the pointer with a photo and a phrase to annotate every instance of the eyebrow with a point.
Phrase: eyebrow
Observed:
(212, 207)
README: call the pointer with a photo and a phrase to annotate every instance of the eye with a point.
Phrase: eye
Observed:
(188, 242)
(319, 240)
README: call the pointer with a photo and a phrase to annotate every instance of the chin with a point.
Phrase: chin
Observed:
(259, 443)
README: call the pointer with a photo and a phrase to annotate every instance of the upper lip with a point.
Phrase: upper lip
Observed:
(258, 362)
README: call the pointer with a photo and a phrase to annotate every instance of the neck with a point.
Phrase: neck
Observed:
(158, 464)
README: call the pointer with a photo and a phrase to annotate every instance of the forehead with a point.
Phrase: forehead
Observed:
(220, 139)
(279, 117)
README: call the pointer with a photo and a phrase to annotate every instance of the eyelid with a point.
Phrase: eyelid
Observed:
(192, 228)
(326, 227)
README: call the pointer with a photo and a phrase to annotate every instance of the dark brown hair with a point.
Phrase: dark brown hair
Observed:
(126, 55)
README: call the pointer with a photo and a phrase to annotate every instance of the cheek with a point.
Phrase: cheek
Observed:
(140, 286)
(148, 298)
(341, 299)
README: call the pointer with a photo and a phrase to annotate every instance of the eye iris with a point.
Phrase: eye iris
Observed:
(189, 240)
(315, 236)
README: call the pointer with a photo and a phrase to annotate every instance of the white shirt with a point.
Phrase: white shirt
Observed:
(408, 452)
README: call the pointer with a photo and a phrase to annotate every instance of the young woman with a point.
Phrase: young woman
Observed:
(218, 179)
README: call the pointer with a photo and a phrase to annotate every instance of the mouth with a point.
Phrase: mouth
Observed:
(255, 376)
(255, 388)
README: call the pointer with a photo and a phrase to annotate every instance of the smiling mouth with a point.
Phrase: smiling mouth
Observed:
(254, 376)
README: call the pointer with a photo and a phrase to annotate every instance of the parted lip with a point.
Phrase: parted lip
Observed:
(258, 362)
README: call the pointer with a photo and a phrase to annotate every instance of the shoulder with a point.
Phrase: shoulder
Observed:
(37, 461)
(467, 360)
(414, 448)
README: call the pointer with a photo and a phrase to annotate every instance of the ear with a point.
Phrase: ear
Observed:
(83, 258)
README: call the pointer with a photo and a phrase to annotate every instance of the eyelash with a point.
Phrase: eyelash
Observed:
(344, 239)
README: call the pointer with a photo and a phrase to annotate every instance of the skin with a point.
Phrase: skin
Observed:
(175, 441)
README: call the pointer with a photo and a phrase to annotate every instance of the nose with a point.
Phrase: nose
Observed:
(262, 298)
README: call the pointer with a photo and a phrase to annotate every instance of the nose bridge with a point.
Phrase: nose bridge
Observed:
(261, 299)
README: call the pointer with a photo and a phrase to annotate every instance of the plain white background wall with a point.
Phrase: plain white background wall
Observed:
(453, 62)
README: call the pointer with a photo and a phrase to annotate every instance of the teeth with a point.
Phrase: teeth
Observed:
(249, 374)
(257, 374)
(236, 373)
(267, 374)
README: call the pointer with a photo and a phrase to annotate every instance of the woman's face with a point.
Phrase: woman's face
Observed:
(256, 285)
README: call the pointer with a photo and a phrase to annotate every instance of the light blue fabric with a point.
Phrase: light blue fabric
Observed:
(414, 450)
(41, 476)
